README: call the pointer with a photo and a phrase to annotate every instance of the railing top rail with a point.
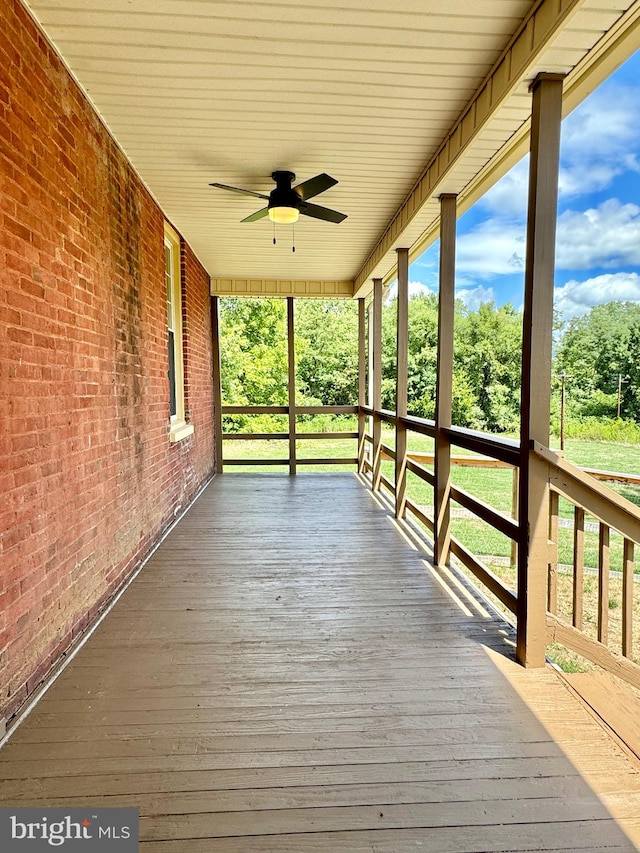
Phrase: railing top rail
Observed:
(421, 425)
(388, 415)
(326, 410)
(504, 449)
(255, 410)
(284, 410)
(599, 500)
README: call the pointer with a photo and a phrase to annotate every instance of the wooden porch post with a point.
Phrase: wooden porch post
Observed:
(533, 547)
(444, 379)
(401, 380)
(376, 402)
(362, 386)
(217, 383)
(292, 385)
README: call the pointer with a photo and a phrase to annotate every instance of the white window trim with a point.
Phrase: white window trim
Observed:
(179, 428)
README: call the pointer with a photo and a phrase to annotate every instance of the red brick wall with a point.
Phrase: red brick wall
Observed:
(88, 476)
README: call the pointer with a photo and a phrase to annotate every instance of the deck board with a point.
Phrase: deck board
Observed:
(286, 675)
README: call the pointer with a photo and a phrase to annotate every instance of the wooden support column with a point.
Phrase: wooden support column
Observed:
(362, 385)
(402, 351)
(376, 401)
(291, 348)
(533, 546)
(444, 379)
(217, 384)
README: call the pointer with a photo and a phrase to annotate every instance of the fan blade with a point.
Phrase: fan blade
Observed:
(238, 190)
(315, 186)
(259, 214)
(322, 213)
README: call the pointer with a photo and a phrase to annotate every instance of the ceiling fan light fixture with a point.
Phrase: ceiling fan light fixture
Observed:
(286, 202)
(284, 215)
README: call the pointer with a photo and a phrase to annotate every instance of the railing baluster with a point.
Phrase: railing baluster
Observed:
(515, 498)
(603, 583)
(627, 598)
(578, 566)
(552, 586)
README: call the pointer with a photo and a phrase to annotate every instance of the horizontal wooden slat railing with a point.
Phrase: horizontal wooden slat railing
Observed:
(288, 436)
(502, 451)
(589, 496)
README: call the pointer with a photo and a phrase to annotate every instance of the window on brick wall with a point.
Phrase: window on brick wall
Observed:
(179, 428)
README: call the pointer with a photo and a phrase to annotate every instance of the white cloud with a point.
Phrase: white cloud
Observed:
(603, 127)
(492, 248)
(578, 297)
(467, 290)
(415, 287)
(600, 141)
(606, 236)
(473, 297)
(581, 179)
(508, 197)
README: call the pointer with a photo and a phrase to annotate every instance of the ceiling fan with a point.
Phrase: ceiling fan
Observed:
(286, 202)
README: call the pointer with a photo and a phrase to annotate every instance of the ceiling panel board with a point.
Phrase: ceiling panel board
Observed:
(222, 18)
(416, 31)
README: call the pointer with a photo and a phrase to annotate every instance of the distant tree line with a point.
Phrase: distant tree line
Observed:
(599, 354)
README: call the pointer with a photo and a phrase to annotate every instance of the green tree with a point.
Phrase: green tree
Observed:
(594, 350)
(327, 351)
(487, 362)
(488, 353)
(486, 388)
(253, 349)
(630, 373)
(422, 354)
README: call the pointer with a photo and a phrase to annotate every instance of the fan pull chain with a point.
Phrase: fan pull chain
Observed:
(293, 238)
(274, 233)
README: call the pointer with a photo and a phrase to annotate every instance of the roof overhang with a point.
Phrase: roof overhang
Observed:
(399, 105)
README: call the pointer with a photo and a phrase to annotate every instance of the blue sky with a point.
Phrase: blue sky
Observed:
(598, 241)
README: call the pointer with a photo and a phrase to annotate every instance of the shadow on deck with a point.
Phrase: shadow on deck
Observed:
(286, 674)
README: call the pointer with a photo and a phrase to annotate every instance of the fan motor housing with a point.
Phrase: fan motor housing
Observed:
(284, 195)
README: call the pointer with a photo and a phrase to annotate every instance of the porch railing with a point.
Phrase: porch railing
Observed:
(587, 634)
(293, 435)
(503, 451)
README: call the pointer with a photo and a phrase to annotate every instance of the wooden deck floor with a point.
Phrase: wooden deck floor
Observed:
(286, 674)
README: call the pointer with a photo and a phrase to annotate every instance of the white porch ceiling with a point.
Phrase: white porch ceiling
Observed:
(370, 91)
